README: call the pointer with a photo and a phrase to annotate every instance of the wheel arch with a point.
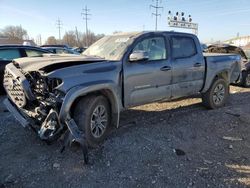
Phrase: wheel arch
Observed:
(224, 74)
(77, 93)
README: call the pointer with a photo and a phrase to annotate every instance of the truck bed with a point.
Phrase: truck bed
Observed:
(217, 62)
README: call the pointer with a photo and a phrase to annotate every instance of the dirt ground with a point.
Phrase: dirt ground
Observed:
(215, 148)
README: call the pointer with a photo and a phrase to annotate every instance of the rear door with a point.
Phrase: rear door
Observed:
(148, 80)
(188, 65)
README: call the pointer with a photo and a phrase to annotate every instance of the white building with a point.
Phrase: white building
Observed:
(239, 41)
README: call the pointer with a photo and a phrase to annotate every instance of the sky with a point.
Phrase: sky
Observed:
(217, 19)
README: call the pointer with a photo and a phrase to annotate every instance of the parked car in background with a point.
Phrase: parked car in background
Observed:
(10, 52)
(79, 49)
(61, 50)
(245, 60)
(55, 45)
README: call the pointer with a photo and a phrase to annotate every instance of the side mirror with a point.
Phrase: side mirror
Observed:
(138, 56)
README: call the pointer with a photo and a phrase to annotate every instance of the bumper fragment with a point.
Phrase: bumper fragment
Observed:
(19, 117)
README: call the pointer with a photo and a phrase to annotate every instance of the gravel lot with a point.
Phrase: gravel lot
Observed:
(215, 145)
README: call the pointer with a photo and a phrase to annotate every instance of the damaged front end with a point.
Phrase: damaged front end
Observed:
(46, 105)
(33, 98)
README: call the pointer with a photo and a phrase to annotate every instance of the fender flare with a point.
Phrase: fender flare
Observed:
(210, 81)
(82, 90)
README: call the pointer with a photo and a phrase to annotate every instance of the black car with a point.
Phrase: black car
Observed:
(55, 45)
(79, 49)
(10, 52)
(60, 50)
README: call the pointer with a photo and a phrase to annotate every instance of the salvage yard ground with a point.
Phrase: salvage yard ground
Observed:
(214, 147)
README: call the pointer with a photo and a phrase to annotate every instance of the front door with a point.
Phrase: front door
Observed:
(148, 80)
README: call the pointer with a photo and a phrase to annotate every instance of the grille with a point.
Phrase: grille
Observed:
(14, 89)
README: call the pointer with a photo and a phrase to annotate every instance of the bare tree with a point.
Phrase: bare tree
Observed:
(70, 38)
(51, 40)
(92, 37)
(15, 33)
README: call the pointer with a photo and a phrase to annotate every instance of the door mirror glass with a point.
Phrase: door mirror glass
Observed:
(138, 56)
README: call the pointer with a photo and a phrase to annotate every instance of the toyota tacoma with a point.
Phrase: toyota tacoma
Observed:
(80, 98)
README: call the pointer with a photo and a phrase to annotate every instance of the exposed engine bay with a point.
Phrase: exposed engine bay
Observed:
(45, 107)
(40, 102)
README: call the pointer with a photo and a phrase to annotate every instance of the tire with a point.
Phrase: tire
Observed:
(95, 109)
(217, 95)
(245, 79)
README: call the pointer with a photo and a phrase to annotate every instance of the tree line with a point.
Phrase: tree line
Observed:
(71, 38)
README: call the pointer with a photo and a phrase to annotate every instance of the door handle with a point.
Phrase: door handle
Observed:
(166, 68)
(197, 65)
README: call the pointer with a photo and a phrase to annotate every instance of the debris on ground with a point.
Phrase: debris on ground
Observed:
(214, 146)
(232, 138)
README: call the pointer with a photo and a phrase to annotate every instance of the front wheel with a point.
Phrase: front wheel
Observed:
(92, 115)
(216, 96)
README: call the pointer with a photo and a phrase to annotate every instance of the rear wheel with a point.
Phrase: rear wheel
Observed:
(92, 115)
(216, 96)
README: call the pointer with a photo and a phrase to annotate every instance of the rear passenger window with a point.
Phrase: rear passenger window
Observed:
(33, 53)
(183, 47)
(9, 54)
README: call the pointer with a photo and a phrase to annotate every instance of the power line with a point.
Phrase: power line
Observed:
(85, 15)
(156, 14)
(59, 26)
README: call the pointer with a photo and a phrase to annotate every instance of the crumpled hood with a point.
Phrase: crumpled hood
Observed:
(226, 49)
(51, 62)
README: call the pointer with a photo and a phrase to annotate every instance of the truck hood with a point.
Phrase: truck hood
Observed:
(51, 62)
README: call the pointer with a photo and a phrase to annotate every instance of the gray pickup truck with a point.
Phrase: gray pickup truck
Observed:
(82, 97)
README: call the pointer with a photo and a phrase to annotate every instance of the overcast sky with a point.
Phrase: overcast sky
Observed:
(217, 19)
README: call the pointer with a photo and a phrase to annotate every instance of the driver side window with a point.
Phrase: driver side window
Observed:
(155, 47)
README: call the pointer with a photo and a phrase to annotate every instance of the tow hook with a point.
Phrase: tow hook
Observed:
(73, 134)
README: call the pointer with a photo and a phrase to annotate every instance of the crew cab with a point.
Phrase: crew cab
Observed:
(83, 96)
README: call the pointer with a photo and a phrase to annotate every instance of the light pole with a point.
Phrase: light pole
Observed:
(180, 21)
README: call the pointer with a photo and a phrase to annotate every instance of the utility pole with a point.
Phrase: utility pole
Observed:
(77, 37)
(39, 40)
(85, 15)
(59, 26)
(156, 14)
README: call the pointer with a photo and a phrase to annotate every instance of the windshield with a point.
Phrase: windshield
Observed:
(110, 47)
(247, 52)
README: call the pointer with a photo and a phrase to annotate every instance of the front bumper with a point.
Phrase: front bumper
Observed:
(16, 113)
(74, 134)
